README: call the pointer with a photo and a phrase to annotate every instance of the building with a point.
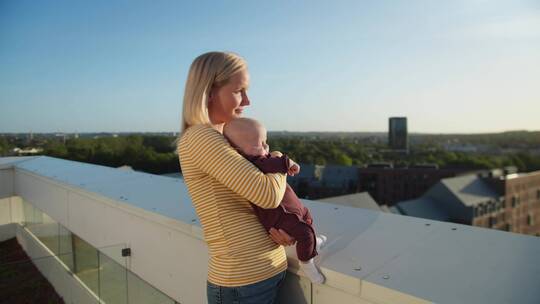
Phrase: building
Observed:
(100, 234)
(317, 181)
(499, 199)
(27, 151)
(397, 133)
(519, 208)
(389, 185)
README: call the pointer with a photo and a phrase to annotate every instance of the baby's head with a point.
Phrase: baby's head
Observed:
(247, 135)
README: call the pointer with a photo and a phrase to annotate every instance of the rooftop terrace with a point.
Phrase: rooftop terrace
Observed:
(371, 257)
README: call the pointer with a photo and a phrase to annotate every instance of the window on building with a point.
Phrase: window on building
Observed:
(530, 219)
(479, 211)
(538, 194)
(513, 201)
(492, 221)
(503, 203)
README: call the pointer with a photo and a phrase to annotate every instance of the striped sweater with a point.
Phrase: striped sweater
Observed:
(222, 184)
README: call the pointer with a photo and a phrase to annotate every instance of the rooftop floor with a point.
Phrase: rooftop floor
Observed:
(432, 260)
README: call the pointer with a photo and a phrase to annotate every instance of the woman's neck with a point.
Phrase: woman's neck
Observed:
(213, 122)
(218, 127)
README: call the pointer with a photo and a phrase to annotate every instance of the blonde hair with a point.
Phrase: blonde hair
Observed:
(209, 70)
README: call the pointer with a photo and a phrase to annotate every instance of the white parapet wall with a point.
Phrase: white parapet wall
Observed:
(371, 257)
(164, 251)
(68, 286)
(6, 182)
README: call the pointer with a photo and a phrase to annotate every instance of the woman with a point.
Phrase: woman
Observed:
(246, 265)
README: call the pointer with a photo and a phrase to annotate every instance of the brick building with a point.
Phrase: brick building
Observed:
(388, 185)
(499, 199)
(518, 209)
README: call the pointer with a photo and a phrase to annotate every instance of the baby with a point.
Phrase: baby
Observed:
(248, 136)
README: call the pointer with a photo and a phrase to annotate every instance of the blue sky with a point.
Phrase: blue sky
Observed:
(449, 66)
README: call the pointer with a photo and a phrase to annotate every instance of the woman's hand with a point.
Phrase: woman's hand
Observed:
(281, 237)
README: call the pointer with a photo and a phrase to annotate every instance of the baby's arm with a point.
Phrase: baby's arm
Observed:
(273, 164)
(278, 163)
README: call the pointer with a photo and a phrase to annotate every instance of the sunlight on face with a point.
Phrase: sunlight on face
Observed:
(228, 101)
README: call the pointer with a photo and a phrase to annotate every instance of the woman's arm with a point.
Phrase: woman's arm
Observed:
(211, 152)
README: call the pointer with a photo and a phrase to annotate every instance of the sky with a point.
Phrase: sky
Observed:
(461, 66)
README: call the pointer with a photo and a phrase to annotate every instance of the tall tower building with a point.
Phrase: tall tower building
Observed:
(397, 133)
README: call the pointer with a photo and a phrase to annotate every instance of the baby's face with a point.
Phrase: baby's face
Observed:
(255, 144)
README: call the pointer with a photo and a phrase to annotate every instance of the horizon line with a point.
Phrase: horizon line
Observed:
(285, 131)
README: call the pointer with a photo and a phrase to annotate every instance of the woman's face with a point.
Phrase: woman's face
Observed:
(228, 102)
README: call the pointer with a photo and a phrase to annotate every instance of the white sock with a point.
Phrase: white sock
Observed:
(310, 270)
(321, 241)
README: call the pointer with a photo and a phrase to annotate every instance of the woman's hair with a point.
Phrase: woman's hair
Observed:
(209, 70)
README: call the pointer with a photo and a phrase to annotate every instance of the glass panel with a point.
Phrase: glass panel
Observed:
(112, 275)
(140, 292)
(47, 232)
(98, 273)
(35, 219)
(28, 211)
(86, 263)
(65, 247)
(39, 280)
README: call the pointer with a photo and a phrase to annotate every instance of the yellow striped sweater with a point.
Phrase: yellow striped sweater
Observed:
(222, 184)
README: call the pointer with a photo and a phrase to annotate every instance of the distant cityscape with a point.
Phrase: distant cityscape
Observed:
(486, 180)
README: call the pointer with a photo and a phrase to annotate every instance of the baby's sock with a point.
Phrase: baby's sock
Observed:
(321, 241)
(310, 270)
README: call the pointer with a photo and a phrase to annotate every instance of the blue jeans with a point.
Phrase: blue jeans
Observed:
(263, 292)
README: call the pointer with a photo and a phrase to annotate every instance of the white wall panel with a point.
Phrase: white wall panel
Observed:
(5, 210)
(86, 219)
(164, 257)
(6, 182)
(323, 294)
(17, 213)
(43, 194)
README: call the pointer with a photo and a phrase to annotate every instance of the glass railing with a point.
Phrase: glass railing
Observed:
(100, 274)
(25, 280)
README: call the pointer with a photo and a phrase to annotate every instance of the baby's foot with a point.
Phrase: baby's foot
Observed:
(311, 271)
(321, 241)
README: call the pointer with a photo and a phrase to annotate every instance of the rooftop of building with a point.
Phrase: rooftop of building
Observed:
(469, 189)
(433, 260)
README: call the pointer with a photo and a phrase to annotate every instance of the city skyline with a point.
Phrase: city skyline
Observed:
(450, 68)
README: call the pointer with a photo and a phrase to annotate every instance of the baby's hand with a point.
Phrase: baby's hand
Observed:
(276, 154)
(294, 168)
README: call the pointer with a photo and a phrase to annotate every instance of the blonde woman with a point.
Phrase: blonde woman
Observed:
(246, 265)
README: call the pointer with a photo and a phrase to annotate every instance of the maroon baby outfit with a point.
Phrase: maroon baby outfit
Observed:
(291, 215)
